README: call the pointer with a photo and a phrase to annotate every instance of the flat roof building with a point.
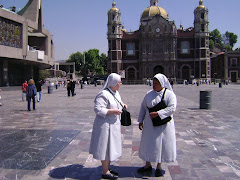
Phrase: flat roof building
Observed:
(25, 45)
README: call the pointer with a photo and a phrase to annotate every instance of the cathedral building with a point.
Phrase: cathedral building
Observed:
(158, 46)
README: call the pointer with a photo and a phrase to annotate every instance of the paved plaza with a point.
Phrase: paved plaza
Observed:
(55, 138)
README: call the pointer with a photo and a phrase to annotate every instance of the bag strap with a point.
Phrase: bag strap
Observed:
(163, 94)
(115, 98)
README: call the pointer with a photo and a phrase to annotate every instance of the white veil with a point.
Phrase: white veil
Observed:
(163, 81)
(112, 80)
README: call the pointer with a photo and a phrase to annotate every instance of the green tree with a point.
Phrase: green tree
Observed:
(211, 44)
(89, 61)
(216, 36)
(232, 38)
(103, 62)
(92, 59)
(78, 59)
(99, 71)
(43, 74)
(226, 47)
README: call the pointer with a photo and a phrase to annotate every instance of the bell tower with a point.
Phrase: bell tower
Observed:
(114, 35)
(202, 52)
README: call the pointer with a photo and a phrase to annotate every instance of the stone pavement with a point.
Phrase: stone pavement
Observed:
(56, 136)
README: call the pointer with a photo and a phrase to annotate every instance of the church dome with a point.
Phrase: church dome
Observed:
(153, 11)
(123, 29)
(114, 9)
(201, 6)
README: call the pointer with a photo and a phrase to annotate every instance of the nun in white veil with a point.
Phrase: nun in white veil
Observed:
(158, 143)
(106, 143)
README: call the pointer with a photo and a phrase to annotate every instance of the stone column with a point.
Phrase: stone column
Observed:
(5, 73)
(225, 67)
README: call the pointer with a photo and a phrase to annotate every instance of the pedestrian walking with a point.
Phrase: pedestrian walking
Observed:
(24, 89)
(158, 140)
(106, 143)
(39, 90)
(68, 87)
(0, 98)
(31, 93)
(72, 87)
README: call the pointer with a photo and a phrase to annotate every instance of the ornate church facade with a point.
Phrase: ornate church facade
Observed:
(158, 46)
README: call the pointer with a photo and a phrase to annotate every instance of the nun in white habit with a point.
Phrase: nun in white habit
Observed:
(158, 143)
(106, 143)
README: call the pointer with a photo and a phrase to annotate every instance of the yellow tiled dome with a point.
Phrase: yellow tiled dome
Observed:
(201, 6)
(153, 11)
(114, 7)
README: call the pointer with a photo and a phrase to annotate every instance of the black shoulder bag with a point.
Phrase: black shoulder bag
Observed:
(125, 116)
(158, 121)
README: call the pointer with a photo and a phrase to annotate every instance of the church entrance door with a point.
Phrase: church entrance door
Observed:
(234, 76)
(186, 73)
(131, 74)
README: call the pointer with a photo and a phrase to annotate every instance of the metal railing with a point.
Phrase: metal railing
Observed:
(133, 82)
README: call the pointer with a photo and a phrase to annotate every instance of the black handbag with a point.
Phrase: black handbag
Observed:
(158, 121)
(125, 116)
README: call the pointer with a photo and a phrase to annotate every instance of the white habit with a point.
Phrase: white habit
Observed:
(106, 140)
(158, 143)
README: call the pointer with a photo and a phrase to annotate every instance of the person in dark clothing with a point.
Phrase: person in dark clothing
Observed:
(72, 85)
(31, 93)
(68, 87)
(39, 90)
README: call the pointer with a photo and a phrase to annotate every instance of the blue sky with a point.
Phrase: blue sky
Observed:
(80, 25)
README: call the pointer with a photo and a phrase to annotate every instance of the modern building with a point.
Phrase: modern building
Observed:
(25, 45)
(158, 46)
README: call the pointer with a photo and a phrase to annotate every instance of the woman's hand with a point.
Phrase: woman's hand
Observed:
(153, 115)
(140, 125)
(114, 111)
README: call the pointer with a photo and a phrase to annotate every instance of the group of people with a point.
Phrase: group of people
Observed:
(30, 91)
(158, 140)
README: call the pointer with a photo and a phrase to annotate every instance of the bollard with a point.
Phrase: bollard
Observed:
(205, 99)
(220, 85)
(50, 89)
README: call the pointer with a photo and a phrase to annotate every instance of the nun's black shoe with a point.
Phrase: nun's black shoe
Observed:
(109, 176)
(159, 172)
(144, 170)
(113, 172)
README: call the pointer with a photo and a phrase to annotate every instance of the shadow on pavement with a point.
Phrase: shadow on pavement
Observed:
(71, 171)
(77, 171)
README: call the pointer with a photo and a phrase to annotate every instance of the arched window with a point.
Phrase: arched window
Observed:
(185, 47)
(113, 29)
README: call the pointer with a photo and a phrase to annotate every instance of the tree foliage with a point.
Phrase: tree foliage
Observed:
(43, 74)
(216, 40)
(216, 36)
(89, 61)
(211, 44)
(99, 71)
(232, 38)
(78, 59)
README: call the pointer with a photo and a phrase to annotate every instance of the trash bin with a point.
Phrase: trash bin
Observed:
(50, 89)
(205, 99)
(220, 85)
